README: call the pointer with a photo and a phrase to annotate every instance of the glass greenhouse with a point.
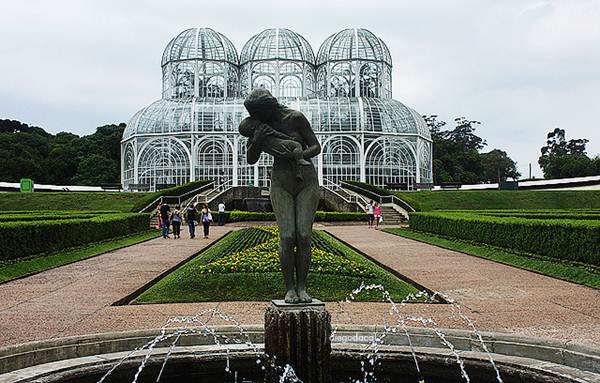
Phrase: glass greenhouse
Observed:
(345, 92)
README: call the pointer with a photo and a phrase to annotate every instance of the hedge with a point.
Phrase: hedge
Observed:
(320, 216)
(566, 239)
(173, 191)
(50, 215)
(24, 239)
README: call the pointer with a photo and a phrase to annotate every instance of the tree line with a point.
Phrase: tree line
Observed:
(458, 155)
(61, 159)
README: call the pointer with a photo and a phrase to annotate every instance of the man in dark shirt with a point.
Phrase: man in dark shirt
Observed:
(165, 210)
(191, 217)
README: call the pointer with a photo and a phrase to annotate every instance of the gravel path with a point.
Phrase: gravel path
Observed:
(77, 299)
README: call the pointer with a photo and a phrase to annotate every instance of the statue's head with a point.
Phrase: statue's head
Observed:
(261, 104)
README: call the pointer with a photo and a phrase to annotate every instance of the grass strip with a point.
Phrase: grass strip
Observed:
(20, 268)
(582, 274)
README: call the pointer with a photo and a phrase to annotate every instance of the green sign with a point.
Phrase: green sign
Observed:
(26, 185)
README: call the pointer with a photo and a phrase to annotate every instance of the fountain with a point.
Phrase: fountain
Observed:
(189, 349)
(298, 343)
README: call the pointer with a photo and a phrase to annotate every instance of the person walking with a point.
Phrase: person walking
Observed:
(369, 210)
(165, 212)
(158, 217)
(377, 215)
(176, 222)
(221, 213)
(191, 215)
(206, 218)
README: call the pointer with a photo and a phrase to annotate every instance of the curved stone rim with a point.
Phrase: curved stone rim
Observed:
(550, 355)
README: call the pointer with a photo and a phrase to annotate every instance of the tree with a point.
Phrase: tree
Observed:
(97, 169)
(456, 152)
(562, 159)
(498, 166)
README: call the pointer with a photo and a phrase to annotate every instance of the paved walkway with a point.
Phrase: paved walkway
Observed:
(77, 299)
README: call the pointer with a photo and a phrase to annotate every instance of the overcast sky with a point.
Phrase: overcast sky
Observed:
(521, 67)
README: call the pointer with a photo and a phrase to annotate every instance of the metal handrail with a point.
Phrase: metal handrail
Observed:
(163, 197)
(220, 188)
(335, 189)
(380, 198)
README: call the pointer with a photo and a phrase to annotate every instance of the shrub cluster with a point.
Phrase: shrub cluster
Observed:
(173, 191)
(26, 238)
(567, 239)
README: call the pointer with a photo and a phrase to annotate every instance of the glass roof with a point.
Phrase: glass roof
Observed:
(336, 114)
(200, 44)
(353, 44)
(277, 43)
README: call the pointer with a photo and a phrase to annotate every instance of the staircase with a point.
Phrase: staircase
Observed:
(394, 210)
(391, 216)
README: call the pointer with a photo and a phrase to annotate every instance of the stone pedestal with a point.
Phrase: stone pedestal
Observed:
(298, 335)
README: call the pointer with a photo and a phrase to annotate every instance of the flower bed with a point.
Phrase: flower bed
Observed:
(244, 266)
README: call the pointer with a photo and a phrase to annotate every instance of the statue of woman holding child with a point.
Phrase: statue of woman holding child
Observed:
(286, 135)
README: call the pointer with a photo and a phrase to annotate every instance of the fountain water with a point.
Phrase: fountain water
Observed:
(394, 352)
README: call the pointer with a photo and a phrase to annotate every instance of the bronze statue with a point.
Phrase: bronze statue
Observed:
(287, 135)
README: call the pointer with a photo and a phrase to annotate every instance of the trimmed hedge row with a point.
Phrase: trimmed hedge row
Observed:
(56, 212)
(320, 216)
(174, 191)
(566, 239)
(23, 239)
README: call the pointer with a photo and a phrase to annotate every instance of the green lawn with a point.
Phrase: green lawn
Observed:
(578, 273)
(70, 201)
(500, 199)
(244, 266)
(10, 270)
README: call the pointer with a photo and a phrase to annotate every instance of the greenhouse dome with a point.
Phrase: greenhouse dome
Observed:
(190, 136)
(200, 62)
(279, 60)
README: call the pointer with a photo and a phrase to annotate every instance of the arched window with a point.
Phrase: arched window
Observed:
(370, 81)
(128, 165)
(390, 163)
(264, 82)
(341, 159)
(214, 87)
(163, 161)
(182, 78)
(290, 86)
(214, 159)
(425, 162)
(245, 171)
(341, 81)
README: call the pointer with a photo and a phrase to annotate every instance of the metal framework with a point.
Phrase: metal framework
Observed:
(191, 133)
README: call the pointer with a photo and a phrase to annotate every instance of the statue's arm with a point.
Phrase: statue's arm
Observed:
(313, 147)
(254, 146)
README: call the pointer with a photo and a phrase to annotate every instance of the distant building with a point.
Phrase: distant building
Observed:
(345, 92)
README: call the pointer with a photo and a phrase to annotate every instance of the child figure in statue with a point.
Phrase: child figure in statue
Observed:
(276, 143)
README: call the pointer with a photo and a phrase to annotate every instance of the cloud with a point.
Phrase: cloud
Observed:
(522, 67)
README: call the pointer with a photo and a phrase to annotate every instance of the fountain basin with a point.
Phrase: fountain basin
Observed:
(87, 358)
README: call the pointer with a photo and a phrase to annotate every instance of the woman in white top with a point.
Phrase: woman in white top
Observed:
(370, 213)
(205, 218)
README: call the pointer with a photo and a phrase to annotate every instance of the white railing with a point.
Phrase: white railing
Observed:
(379, 198)
(210, 195)
(179, 198)
(340, 192)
